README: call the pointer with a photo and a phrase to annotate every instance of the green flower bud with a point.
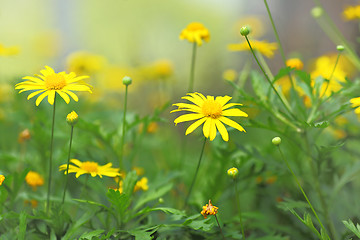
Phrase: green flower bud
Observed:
(245, 30)
(233, 172)
(127, 80)
(340, 48)
(317, 12)
(72, 118)
(161, 200)
(276, 141)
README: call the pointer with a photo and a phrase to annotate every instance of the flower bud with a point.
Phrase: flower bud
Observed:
(2, 178)
(316, 12)
(340, 48)
(127, 80)
(233, 172)
(245, 30)
(72, 118)
(276, 141)
(161, 200)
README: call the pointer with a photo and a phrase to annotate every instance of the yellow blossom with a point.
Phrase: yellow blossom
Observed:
(232, 172)
(8, 51)
(2, 178)
(34, 179)
(229, 75)
(85, 63)
(264, 47)
(50, 83)
(91, 168)
(213, 112)
(355, 103)
(209, 209)
(195, 32)
(142, 184)
(295, 63)
(352, 12)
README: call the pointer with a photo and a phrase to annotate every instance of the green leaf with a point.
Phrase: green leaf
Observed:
(323, 124)
(22, 226)
(129, 183)
(120, 201)
(144, 234)
(153, 194)
(163, 209)
(203, 224)
(351, 226)
(282, 72)
(92, 234)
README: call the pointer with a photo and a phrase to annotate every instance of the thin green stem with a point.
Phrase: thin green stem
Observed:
(192, 68)
(278, 40)
(265, 66)
(50, 158)
(219, 227)
(123, 129)
(287, 107)
(301, 189)
(239, 208)
(196, 173)
(68, 163)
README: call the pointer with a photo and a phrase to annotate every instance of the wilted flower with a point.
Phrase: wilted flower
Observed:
(209, 209)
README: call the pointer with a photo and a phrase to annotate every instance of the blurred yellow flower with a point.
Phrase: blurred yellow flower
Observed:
(264, 47)
(139, 170)
(295, 63)
(209, 209)
(32, 203)
(34, 179)
(8, 51)
(355, 103)
(212, 112)
(50, 83)
(229, 75)
(91, 168)
(6, 91)
(85, 63)
(161, 69)
(352, 12)
(2, 178)
(142, 184)
(195, 32)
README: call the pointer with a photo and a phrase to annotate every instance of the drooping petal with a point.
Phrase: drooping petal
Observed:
(195, 125)
(34, 79)
(41, 97)
(34, 94)
(231, 123)
(63, 96)
(76, 162)
(224, 133)
(206, 127)
(188, 117)
(71, 80)
(212, 129)
(189, 106)
(234, 112)
(71, 94)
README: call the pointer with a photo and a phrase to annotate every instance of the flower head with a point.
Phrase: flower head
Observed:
(91, 168)
(352, 12)
(209, 209)
(34, 179)
(72, 118)
(142, 184)
(195, 32)
(232, 172)
(229, 75)
(264, 47)
(2, 178)
(295, 63)
(212, 112)
(50, 83)
(356, 104)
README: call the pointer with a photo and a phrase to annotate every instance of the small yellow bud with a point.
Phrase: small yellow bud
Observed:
(232, 172)
(127, 80)
(276, 141)
(72, 118)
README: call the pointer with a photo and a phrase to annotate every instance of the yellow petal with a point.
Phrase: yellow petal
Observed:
(194, 99)
(51, 96)
(188, 117)
(212, 129)
(222, 100)
(64, 96)
(231, 123)
(71, 94)
(224, 133)
(34, 94)
(231, 105)
(206, 127)
(195, 125)
(234, 112)
(41, 97)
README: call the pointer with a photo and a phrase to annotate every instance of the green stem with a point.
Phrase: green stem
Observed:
(268, 79)
(50, 158)
(278, 41)
(239, 208)
(265, 66)
(196, 173)
(68, 163)
(301, 189)
(219, 227)
(123, 129)
(192, 68)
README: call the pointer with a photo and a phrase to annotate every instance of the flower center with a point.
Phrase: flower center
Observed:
(55, 82)
(90, 166)
(211, 108)
(195, 26)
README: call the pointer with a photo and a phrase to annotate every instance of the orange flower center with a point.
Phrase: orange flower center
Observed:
(90, 166)
(211, 108)
(55, 82)
(195, 26)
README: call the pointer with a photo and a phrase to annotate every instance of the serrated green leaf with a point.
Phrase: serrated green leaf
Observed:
(120, 201)
(351, 226)
(144, 234)
(90, 235)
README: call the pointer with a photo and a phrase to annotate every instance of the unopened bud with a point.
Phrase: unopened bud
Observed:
(72, 118)
(127, 80)
(276, 141)
(244, 31)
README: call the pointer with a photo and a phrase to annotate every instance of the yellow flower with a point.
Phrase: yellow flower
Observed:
(295, 63)
(50, 83)
(91, 168)
(356, 104)
(141, 185)
(232, 172)
(229, 75)
(85, 63)
(34, 179)
(212, 112)
(72, 118)
(8, 51)
(195, 32)
(209, 209)
(264, 47)
(352, 12)
(2, 178)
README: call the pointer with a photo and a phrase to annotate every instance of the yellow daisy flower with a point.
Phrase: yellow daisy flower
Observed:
(295, 63)
(34, 179)
(91, 168)
(351, 12)
(142, 184)
(212, 112)
(209, 209)
(50, 83)
(2, 178)
(264, 47)
(195, 32)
